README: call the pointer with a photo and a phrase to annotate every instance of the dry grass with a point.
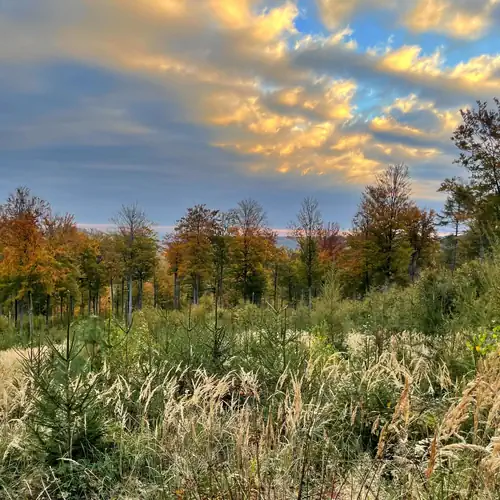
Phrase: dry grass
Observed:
(10, 367)
(364, 424)
(472, 424)
(9, 363)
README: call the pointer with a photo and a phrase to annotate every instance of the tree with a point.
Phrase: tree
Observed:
(146, 257)
(111, 252)
(221, 244)
(331, 245)
(381, 222)
(478, 139)
(133, 226)
(356, 265)
(307, 232)
(63, 240)
(91, 271)
(279, 268)
(456, 212)
(289, 275)
(251, 245)
(421, 230)
(195, 232)
(22, 203)
(173, 253)
(26, 262)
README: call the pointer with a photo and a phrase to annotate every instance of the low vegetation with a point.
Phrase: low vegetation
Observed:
(396, 396)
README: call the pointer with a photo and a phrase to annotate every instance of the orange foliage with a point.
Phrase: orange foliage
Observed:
(26, 257)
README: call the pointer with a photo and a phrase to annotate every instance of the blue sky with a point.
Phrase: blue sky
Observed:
(170, 103)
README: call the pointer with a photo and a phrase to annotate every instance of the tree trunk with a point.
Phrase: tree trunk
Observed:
(221, 285)
(123, 299)
(455, 249)
(481, 247)
(176, 291)
(275, 286)
(196, 284)
(21, 316)
(139, 298)
(16, 312)
(155, 292)
(47, 312)
(129, 310)
(117, 305)
(61, 308)
(71, 308)
(111, 301)
(413, 265)
(30, 313)
(309, 298)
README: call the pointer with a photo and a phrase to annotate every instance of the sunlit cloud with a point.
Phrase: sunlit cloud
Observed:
(468, 19)
(317, 107)
(462, 19)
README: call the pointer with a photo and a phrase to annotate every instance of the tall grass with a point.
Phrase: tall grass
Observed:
(395, 396)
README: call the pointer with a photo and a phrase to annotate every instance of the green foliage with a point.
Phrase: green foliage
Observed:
(332, 315)
(437, 297)
(484, 342)
(64, 417)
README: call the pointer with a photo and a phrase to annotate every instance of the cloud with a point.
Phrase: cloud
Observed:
(239, 76)
(335, 12)
(466, 19)
(456, 18)
(405, 70)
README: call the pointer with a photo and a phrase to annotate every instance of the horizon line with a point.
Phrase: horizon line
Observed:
(159, 228)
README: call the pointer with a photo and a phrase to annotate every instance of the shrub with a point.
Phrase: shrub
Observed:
(64, 417)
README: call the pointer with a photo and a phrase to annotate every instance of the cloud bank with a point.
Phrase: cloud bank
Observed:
(238, 89)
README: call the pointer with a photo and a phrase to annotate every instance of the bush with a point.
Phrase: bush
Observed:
(64, 417)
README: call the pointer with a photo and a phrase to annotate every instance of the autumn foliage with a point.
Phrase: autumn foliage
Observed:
(50, 267)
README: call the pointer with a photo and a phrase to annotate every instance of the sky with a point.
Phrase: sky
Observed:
(171, 103)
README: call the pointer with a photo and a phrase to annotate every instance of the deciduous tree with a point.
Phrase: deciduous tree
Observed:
(250, 249)
(195, 232)
(381, 222)
(133, 226)
(307, 232)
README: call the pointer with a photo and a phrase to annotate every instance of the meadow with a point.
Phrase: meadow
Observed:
(396, 396)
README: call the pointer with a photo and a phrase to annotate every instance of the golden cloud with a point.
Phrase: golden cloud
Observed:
(231, 65)
(447, 119)
(444, 16)
(408, 59)
(351, 142)
(264, 28)
(389, 124)
(470, 19)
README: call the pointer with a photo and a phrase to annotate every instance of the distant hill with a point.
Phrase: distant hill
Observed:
(283, 241)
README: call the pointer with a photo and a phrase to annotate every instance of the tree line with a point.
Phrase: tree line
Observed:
(49, 268)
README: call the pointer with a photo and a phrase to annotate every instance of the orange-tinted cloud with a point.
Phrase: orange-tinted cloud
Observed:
(286, 102)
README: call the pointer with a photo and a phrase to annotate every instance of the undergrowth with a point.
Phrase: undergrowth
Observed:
(395, 396)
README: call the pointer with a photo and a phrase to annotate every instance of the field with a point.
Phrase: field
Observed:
(395, 396)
